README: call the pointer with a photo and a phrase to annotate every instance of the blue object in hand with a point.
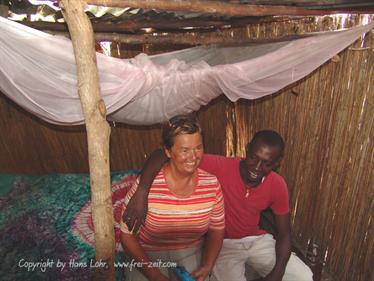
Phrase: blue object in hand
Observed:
(183, 274)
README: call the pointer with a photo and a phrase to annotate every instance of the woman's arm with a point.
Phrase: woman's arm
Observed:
(212, 247)
(133, 248)
(136, 211)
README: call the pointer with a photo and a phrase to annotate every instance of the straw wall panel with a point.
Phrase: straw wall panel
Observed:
(327, 121)
(28, 145)
(31, 146)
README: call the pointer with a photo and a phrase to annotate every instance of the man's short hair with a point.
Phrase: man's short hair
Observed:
(268, 137)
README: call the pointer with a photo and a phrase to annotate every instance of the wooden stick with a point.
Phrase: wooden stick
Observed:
(191, 39)
(210, 7)
(98, 132)
(3, 10)
(135, 25)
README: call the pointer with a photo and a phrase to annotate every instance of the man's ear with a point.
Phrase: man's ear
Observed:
(276, 164)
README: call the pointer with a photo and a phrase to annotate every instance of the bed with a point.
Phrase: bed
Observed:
(46, 230)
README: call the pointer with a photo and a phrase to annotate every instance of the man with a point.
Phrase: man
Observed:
(249, 186)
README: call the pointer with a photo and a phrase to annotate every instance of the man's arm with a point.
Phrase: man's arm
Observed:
(212, 247)
(282, 247)
(142, 262)
(137, 208)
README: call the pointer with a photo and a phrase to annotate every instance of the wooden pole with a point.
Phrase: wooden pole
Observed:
(203, 6)
(98, 132)
(3, 10)
(136, 25)
(191, 39)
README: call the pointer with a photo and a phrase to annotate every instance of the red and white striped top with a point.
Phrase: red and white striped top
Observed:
(175, 222)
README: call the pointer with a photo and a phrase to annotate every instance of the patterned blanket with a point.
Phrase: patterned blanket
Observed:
(46, 230)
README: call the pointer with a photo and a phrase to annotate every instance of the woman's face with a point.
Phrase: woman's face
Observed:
(186, 153)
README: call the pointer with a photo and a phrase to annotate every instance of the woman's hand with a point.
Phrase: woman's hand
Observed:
(159, 277)
(201, 273)
(212, 246)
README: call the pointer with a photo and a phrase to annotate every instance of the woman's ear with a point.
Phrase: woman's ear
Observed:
(167, 152)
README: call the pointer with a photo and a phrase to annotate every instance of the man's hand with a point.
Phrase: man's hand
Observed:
(270, 277)
(136, 210)
(273, 276)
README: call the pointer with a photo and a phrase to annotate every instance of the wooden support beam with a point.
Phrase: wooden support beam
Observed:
(203, 6)
(98, 132)
(190, 39)
(160, 24)
(3, 10)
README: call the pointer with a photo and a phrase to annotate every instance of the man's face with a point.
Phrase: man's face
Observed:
(261, 159)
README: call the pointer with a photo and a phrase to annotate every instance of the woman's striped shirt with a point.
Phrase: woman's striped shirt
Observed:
(175, 222)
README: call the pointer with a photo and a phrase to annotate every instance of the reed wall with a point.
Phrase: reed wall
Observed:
(327, 121)
(31, 146)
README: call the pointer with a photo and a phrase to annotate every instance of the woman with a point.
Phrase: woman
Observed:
(185, 220)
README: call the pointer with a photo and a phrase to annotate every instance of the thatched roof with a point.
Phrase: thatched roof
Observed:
(178, 22)
(135, 17)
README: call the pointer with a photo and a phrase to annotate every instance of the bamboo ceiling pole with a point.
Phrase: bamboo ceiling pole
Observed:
(98, 132)
(135, 25)
(191, 39)
(202, 6)
(186, 38)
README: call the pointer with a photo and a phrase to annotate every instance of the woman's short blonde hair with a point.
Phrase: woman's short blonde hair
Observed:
(179, 125)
